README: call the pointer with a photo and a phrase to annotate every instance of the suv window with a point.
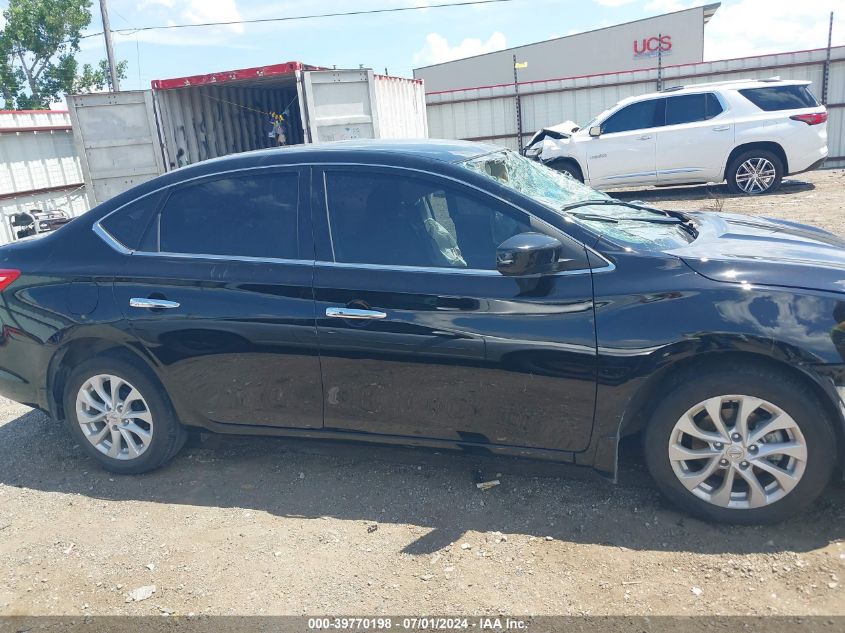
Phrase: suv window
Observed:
(126, 225)
(637, 116)
(244, 216)
(776, 98)
(692, 108)
(399, 220)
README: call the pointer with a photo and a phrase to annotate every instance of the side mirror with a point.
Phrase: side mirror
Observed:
(595, 131)
(528, 254)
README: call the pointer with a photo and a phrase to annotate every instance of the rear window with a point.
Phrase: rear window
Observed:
(777, 98)
(244, 216)
(692, 108)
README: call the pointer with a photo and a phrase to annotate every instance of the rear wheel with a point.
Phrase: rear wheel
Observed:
(755, 172)
(121, 417)
(567, 168)
(743, 445)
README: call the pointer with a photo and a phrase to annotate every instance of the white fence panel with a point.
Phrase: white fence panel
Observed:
(39, 166)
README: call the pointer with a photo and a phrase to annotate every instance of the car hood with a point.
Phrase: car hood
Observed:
(753, 250)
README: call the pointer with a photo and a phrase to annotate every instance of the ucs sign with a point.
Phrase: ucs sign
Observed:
(651, 46)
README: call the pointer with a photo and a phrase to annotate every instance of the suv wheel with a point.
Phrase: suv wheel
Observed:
(755, 172)
(748, 445)
(567, 168)
(121, 417)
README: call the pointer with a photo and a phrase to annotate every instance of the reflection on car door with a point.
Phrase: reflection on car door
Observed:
(696, 140)
(420, 335)
(232, 260)
(625, 153)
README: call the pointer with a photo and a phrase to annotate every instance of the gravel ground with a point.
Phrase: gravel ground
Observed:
(268, 526)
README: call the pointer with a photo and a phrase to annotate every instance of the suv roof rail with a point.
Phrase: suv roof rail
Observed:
(725, 82)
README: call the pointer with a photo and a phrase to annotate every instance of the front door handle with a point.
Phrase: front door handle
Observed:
(354, 313)
(647, 137)
(152, 304)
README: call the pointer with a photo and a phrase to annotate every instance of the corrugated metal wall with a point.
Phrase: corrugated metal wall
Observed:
(401, 107)
(39, 167)
(211, 121)
(489, 113)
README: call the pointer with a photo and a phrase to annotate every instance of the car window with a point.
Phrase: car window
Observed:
(692, 108)
(398, 220)
(776, 98)
(245, 216)
(127, 224)
(637, 116)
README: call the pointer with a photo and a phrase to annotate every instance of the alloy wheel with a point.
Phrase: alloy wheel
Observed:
(737, 451)
(756, 175)
(114, 417)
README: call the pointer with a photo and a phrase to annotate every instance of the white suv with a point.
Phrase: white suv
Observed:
(748, 132)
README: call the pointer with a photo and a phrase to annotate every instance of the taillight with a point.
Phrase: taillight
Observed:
(7, 276)
(811, 119)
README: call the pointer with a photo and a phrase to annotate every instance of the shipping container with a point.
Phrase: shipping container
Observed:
(129, 137)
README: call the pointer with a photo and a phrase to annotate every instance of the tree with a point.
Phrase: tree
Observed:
(37, 53)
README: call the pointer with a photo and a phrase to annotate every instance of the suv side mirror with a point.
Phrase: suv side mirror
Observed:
(595, 131)
(528, 254)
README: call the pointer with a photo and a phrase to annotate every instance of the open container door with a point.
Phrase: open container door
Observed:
(117, 139)
(338, 105)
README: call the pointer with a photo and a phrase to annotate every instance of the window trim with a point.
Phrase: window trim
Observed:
(115, 244)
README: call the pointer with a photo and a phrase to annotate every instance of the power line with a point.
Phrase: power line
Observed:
(300, 17)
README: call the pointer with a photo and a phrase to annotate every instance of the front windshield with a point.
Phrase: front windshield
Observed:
(618, 222)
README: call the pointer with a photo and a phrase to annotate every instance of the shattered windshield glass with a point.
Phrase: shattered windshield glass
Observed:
(621, 222)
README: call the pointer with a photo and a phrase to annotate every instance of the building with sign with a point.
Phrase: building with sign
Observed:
(676, 37)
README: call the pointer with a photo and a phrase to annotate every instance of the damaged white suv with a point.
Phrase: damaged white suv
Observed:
(748, 132)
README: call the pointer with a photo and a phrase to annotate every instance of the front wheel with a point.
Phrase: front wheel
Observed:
(755, 172)
(121, 417)
(743, 445)
(567, 168)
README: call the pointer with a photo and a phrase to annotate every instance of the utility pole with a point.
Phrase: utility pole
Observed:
(826, 76)
(104, 12)
(660, 62)
(516, 67)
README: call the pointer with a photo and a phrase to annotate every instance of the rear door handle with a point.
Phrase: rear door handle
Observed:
(353, 313)
(644, 138)
(722, 128)
(152, 304)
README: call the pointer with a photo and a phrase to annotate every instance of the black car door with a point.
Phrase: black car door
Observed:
(219, 294)
(420, 335)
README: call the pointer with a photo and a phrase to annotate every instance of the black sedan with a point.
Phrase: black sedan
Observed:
(441, 294)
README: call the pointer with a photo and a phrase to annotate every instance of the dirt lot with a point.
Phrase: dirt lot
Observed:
(268, 526)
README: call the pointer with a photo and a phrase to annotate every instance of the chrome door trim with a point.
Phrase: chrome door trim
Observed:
(115, 244)
(354, 313)
(153, 304)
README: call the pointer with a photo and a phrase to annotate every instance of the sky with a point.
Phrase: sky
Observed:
(400, 42)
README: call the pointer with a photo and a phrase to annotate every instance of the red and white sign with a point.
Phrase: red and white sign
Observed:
(652, 46)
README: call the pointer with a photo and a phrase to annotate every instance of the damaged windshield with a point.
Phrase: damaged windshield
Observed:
(620, 221)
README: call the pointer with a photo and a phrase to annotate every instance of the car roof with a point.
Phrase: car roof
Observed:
(415, 153)
(364, 150)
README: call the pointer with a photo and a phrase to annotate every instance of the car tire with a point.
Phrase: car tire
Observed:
(685, 411)
(755, 172)
(567, 167)
(139, 434)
